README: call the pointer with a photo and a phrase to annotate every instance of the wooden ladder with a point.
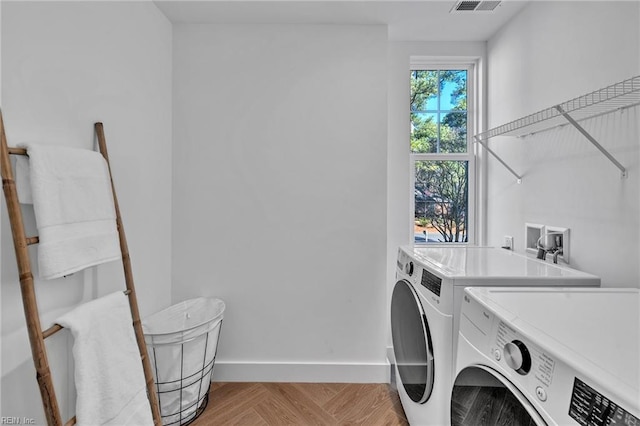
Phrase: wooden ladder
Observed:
(36, 334)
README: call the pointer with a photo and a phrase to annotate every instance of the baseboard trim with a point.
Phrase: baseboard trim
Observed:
(228, 371)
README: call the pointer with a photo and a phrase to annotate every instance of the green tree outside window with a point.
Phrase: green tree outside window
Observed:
(438, 108)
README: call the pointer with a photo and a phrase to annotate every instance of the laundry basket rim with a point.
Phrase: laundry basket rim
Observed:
(158, 316)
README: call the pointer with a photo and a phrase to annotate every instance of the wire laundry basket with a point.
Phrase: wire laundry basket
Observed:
(182, 342)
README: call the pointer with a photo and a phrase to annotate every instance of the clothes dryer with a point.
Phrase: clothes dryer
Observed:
(425, 303)
(548, 357)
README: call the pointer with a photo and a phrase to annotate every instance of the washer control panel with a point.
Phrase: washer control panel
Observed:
(523, 357)
(518, 357)
(590, 408)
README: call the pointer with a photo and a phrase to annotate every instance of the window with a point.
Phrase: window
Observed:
(441, 154)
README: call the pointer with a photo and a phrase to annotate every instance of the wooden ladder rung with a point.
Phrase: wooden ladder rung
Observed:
(33, 240)
(51, 330)
(17, 151)
(72, 421)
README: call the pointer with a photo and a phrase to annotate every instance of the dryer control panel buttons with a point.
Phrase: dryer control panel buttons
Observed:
(517, 357)
(431, 282)
(408, 268)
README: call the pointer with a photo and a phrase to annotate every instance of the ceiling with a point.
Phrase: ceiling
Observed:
(417, 20)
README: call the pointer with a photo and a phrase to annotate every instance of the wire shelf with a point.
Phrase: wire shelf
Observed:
(622, 95)
(616, 97)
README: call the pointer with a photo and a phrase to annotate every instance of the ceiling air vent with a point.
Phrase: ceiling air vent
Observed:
(475, 6)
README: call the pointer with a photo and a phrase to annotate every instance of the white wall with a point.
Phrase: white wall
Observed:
(279, 165)
(66, 65)
(550, 53)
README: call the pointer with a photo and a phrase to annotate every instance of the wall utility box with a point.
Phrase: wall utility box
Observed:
(533, 233)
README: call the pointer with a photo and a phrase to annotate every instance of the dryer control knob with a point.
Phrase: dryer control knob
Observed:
(408, 268)
(517, 357)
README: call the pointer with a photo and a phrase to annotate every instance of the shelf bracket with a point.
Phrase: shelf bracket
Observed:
(591, 139)
(497, 157)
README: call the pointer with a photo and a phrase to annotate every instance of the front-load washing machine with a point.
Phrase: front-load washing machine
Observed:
(426, 299)
(533, 356)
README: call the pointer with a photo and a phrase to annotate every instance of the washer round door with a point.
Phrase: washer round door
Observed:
(411, 342)
(481, 396)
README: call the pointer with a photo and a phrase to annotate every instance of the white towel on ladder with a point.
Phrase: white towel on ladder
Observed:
(109, 377)
(74, 209)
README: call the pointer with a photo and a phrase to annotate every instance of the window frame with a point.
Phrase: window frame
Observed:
(469, 156)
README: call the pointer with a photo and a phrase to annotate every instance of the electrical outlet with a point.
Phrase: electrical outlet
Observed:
(507, 242)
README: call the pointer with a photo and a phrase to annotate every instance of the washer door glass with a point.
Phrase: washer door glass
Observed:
(411, 342)
(481, 396)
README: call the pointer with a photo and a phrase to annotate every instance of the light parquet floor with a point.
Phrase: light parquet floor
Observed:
(302, 404)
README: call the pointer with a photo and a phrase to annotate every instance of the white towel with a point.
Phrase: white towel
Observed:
(74, 209)
(109, 378)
